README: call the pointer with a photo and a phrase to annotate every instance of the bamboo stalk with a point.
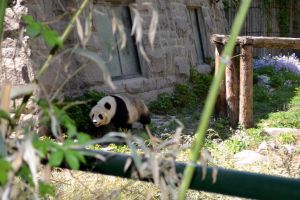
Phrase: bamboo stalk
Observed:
(3, 5)
(4, 105)
(211, 99)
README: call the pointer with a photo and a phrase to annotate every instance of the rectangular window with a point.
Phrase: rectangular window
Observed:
(122, 63)
(199, 33)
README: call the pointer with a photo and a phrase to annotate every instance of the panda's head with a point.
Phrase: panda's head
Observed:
(102, 113)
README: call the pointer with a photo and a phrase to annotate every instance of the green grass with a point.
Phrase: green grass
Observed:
(287, 138)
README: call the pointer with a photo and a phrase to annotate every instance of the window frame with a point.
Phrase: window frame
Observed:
(201, 33)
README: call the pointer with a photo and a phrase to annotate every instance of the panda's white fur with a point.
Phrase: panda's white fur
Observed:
(120, 110)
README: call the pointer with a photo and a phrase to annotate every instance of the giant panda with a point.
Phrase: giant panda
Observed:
(120, 110)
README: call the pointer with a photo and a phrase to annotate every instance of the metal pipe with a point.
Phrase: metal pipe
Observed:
(228, 182)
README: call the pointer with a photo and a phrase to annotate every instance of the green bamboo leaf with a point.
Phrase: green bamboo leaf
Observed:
(33, 28)
(56, 158)
(3, 5)
(80, 156)
(46, 189)
(83, 138)
(4, 169)
(100, 63)
(72, 159)
(4, 115)
(52, 38)
(28, 19)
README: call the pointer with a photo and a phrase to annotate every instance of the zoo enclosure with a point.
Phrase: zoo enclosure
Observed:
(238, 106)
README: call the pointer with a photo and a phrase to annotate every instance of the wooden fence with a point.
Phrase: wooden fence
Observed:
(238, 106)
(263, 20)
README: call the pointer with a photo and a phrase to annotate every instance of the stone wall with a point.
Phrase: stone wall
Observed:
(16, 67)
(171, 59)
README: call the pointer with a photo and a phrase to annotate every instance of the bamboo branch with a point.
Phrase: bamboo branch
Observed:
(211, 100)
(50, 57)
(63, 38)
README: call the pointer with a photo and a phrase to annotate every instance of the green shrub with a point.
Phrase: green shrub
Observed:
(200, 83)
(184, 96)
(163, 104)
(260, 93)
(266, 70)
(277, 80)
(235, 146)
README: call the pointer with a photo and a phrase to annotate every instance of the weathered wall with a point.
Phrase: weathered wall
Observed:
(16, 67)
(171, 59)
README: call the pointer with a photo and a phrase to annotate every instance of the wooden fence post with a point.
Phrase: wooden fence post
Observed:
(246, 86)
(232, 98)
(220, 109)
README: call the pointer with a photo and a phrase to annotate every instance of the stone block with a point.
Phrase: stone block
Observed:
(182, 27)
(182, 66)
(164, 82)
(13, 16)
(149, 84)
(133, 85)
(203, 68)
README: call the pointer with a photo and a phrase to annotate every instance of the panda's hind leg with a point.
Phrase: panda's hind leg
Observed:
(145, 119)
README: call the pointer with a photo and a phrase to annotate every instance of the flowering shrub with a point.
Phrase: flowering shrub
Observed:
(281, 62)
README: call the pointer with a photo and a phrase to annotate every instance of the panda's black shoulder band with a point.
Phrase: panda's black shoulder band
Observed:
(122, 113)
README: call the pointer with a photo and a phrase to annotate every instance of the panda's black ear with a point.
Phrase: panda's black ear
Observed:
(107, 106)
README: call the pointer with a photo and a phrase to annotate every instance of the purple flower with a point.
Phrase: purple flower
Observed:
(281, 62)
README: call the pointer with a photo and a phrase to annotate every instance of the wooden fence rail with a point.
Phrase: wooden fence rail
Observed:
(228, 103)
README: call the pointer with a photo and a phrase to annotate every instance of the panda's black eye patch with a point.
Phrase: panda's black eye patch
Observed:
(107, 106)
(92, 116)
(100, 116)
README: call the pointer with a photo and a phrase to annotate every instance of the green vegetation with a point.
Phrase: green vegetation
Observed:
(36, 28)
(287, 138)
(186, 96)
(279, 106)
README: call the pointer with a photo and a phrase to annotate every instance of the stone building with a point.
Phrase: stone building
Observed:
(181, 42)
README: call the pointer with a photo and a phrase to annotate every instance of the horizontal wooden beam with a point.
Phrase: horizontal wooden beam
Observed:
(260, 42)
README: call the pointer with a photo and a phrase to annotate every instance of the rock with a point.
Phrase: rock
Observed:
(267, 146)
(203, 68)
(279, 131)
(248, 157)
(290, 148)
(263, 80)
(262, 147)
